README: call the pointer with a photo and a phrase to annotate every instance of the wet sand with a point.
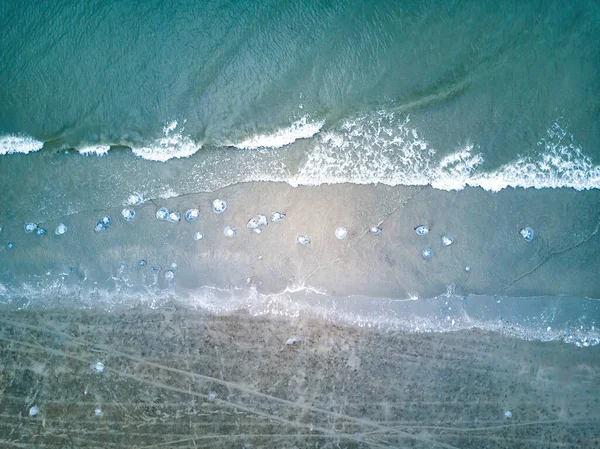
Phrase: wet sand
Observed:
(562, 259)
(177, 378)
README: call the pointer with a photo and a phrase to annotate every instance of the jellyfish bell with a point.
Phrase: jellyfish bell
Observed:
(162, 213)
(128, 214)
(277, 216)
(427, 254)
(192, 215)
(219, 206)
(341, 233)
(421, 230)
(527, 234)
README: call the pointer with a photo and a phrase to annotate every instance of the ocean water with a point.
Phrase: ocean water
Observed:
(100, 99)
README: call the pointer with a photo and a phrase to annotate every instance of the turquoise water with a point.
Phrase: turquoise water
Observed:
(383, 90)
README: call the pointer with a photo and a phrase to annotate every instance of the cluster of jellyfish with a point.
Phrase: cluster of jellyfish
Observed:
(255, 224)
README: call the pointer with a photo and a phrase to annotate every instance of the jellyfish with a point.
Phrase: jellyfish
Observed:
(41, 231)
(33, 411)
(192, 215)
(142, 263)
(341, 233)
(219, 206)
(427, 253)
(162, 213)
(10, 245)
(527, 234)
(447, 241)
(174, 217)
(128, 214)
(229, 232)
(61, 229)
(106, 221)
(421, 230)
(169, 275)
(303, 239)
(198, 236)
(98, 367)
(29, 227)
(375, 230)
(135, 198)
(277, 216)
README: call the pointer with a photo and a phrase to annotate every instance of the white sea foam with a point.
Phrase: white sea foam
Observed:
(94, 150)
(14, 143)
(173, 145)
(383, 149)
(301, 129)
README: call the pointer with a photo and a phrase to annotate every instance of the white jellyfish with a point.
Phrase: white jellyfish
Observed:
(135, 198)
(29, 227)
(198, 236)
(33, 411)
(61, 229)
(128, 214)
(341, 233)
(169, 275)
(277, 216)
(375, 230)
(427, 253)
(174, 217)
(447, 241)
(98, 367)
(162, 213)
(192, 215)
(41, 231)
(229, 232)
(421, 230)
(219, 206)
(303, 239)
(527, 234)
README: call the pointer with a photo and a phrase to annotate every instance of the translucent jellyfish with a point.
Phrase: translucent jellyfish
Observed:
(467, 268)
(374, 230)
(169, 275)
(256, 223)
(219, 206)
(61, 229)
(72, 270)
(421, 230)
(527, 234)
(198, 236)
(33, 411)
(156, 268)
(135, 198)
(303, 239)
(341, 233)
(123, 268)
(427, 253)
(229, 232)
(162, 213)
(98, 412)
(41, 231)
(142, 263)
(173, 265)
(98, 367)
(174, 217)
(447, 241)
(192, 215)
(29, 227)
(106, 221)
(10, 245)
(508, 414)
(99, 227)
(212, 396)
(128, 214)
(277, 216)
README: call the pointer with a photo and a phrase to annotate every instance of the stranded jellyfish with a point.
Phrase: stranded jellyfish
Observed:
(198, 236)
(341, 233)
(103, 224)
(421, 230)
(162, 213)
(255, 224)
(169, 275)
(527, 234)
(29, 227)
(374, 230)
(135, 198)
(277, 216)
(41, 231)
(192, 215)
(427, 253)
(219, 206)
(128, 214)
(174, 217)
(229, 232)
(303, 239)
(10, 245)
(447, 241)
(61, 229)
